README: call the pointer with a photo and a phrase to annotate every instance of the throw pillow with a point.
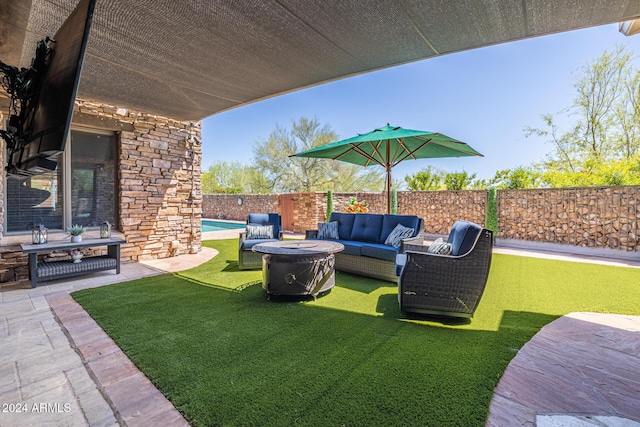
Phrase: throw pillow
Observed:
(259, 232)
(439, 247)
(328, 230)
(396, 236)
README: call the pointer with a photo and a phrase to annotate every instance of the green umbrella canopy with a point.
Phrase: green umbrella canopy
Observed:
(388, 146)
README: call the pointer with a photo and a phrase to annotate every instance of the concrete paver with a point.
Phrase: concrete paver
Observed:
(44, 379)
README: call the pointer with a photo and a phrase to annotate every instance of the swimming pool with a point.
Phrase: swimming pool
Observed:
(210, 225)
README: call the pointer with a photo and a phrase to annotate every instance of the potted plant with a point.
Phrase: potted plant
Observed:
(75, 231)
(77, 255)
(354, 206)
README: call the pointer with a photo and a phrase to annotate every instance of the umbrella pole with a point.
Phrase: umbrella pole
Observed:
(388, 190)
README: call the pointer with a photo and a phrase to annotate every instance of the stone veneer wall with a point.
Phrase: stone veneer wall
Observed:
(439, 209)
(226, 206)
(160, 184)
(159, 188)
(603, 217)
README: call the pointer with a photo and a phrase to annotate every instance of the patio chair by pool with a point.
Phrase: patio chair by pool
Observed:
(447, 278)
(261, 228)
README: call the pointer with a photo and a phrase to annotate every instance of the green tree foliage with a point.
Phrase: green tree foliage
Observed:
(223, 177)
(425, 179)
(602, 145)
(458, 180)
(512, 179)
(615, 172)
(233, 178)
(300, 174)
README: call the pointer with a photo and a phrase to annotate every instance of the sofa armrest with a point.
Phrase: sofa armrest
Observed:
(413, 244)
(242, 238)
(311, 234)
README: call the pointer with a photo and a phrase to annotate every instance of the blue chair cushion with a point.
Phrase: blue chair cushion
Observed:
(345, 223)
(379, 251)
(248, 244)
(462, 236)
(351, 247)
(389, 223)
(266, 219)
(401, 261)
(366, 228)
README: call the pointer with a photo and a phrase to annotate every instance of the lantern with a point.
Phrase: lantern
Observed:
(105, 230)
(39, 234)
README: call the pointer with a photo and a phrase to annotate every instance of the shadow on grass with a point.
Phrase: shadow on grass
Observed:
(388, 306)
(232, 266)
(365, 285)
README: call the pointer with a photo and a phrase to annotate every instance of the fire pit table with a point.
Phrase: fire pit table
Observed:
(304, 267)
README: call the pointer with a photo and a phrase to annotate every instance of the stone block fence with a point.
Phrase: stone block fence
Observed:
(595, 217)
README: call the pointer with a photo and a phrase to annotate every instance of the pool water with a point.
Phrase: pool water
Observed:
(209, 225)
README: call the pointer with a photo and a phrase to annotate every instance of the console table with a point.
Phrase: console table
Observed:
(60, 269)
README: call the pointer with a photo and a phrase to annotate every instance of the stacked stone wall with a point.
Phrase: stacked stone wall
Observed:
(238, 206)
(308, 210)
(440, 209)
(160, 185)
(602, 217)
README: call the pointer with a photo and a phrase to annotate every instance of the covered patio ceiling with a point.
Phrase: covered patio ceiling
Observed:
(189, 59)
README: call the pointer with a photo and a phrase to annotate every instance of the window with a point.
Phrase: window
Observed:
(82, 189)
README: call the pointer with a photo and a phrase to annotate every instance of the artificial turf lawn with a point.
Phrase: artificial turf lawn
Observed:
(226, 355)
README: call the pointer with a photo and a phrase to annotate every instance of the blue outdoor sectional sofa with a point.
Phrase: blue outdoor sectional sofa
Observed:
(368, 248)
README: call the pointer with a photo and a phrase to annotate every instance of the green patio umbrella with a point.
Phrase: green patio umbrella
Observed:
(389, 145)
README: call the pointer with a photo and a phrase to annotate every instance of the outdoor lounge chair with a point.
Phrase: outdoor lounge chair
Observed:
(447, 285)
(261, 228)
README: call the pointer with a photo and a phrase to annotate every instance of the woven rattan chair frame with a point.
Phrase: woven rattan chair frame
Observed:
(443, 284)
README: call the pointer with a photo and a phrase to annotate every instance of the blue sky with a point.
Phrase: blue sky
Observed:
(484, 97)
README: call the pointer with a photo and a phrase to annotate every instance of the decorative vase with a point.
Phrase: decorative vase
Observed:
(76, 258)
(76, 239)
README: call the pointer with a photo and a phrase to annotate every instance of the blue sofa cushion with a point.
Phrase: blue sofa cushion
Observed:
(249, 243)
(351, 247)
(379, 251)
(389, 222)
(345, 224)
(366, 228)
(266, 219)
(462, 236)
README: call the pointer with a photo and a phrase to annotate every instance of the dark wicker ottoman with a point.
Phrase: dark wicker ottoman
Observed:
(298, 268)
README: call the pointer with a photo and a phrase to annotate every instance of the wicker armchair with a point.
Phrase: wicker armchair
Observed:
(447, 285)
(247, 259)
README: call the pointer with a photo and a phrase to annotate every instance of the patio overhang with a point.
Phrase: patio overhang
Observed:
(190, 59)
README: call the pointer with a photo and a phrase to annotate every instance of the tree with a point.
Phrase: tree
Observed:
(301, 174)
(607, 112)
(233, 178)
(514, 179)
(458, 180)
(425, 179)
